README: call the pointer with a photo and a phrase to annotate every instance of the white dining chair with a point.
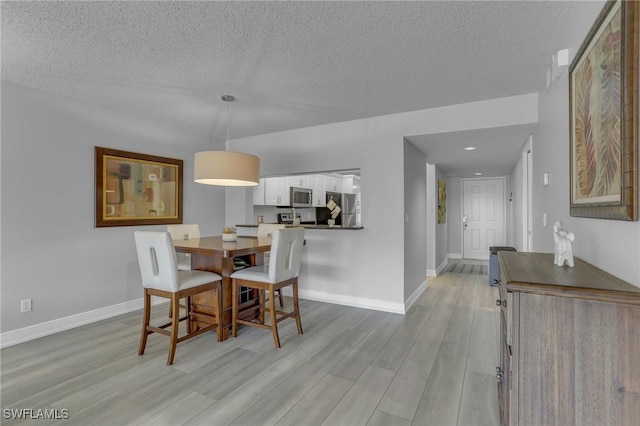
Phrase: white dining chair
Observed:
(161, 278)
(184, 232)
(267, 230)
(282, 271)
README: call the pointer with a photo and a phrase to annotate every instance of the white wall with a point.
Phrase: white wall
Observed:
(239, 206)
(516, 203)
(454, 218)
(437, 244)
(51, 251)
(431, 219)
(613, 246)
(441, 228)
(415, 225)
(368, 265)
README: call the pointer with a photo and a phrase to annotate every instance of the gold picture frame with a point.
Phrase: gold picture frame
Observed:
(137, 189)
(603, 88)
(442, 201)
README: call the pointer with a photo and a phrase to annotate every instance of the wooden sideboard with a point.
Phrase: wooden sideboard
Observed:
(569, 344)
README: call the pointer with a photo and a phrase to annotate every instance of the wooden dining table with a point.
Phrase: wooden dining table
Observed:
(214, 255)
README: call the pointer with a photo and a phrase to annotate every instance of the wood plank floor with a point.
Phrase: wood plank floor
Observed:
(433, 366)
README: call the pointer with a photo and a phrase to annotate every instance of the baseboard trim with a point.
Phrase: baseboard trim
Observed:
(442, 266)
(408, 304)
(438, 270)
(454, 255)
(21, 335)
(25, 334)
(356, 302)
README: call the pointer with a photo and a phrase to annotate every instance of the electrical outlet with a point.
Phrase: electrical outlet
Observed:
(25, 306)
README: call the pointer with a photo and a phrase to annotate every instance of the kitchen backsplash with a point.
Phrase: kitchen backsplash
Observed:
(270, 213)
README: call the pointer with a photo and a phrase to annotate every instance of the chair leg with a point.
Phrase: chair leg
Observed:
(234, 308)
(296, 308)
(171, 311)
(218, 308)
(146, 316)
(188, 314)
(175, 304)
(281, 298)
(261, 298)
(272, 315)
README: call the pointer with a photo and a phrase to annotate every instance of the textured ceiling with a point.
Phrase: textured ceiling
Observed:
(289, 64)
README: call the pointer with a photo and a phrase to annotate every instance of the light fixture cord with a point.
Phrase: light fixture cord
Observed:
(226, 146)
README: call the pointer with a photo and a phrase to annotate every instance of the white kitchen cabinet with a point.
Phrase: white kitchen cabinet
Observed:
(347, 185)
(351, 185)
(317, 182)
(276, 191)
(301, 181)
(333, 184)
(258, 193)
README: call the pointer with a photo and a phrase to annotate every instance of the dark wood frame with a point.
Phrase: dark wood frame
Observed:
(626, 208)
(100, 191)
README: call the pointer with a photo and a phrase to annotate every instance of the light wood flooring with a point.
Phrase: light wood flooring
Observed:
(433, 366)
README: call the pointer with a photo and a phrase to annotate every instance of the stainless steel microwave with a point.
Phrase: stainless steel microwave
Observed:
(301, 197)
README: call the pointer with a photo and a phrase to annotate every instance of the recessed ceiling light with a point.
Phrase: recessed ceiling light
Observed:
(478, 174)
(470, 148)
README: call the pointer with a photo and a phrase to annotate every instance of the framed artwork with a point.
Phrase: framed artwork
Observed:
(137, 189)
(603, 117)
(442, 201)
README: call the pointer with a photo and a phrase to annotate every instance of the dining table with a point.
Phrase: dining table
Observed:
(215, 255)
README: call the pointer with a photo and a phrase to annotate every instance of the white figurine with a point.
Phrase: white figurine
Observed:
(563, 245)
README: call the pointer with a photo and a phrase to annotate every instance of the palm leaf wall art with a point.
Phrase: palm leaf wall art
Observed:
(585, 149)
(609, 81)
(603, 116)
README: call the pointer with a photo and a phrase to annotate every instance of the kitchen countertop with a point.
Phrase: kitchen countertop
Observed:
(308, 226)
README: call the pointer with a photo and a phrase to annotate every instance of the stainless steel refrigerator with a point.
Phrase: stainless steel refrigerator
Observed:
(348, 214)
(323, 214)
(347, 204)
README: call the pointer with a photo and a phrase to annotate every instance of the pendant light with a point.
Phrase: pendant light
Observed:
(226, 168)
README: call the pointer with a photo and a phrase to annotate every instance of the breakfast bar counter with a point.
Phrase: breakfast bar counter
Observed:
(310, 226)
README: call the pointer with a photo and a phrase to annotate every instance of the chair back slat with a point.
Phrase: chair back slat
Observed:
(157, 260)
(286, 254)
(154, 261)
(290, 256)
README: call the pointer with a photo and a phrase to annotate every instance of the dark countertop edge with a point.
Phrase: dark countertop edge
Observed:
(305, 226)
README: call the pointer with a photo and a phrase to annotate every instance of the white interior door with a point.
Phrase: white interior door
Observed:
(482, 216)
